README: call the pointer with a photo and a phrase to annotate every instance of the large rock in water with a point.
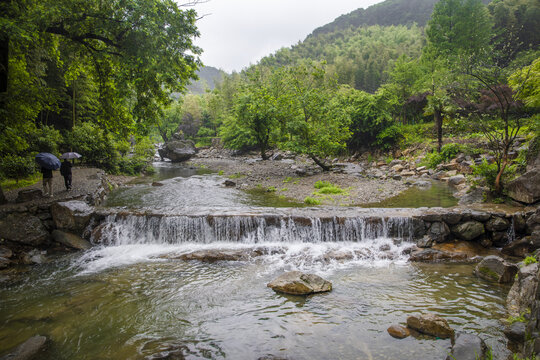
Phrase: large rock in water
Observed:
(32, 348)
(177, 150)
(70, 240)
(497, 269)
(467, 347)
(431, 324)
(298, 283)
(71, 215)
(24, 229)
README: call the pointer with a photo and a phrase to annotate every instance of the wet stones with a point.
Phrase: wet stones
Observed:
(469, 230)
(467, 347)
(70, 240)
(23, 228)
(431, 324)
(497, 269)
(298, 283)
(399, 331)
(72, 215)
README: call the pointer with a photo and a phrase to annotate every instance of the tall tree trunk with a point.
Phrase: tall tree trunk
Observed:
(263, 152)
(438, 124)
(320, 162)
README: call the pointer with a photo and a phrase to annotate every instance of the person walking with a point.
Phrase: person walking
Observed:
(47, 181)
(65, 171)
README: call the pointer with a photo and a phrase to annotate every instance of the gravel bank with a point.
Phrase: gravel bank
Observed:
(281, 177)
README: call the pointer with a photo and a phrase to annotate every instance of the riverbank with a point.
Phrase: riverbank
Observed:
(86, 183)
(295, 178)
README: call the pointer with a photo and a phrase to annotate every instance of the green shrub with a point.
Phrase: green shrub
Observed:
(326, 187)
(17, 167)
(389, 137)
(130, 166)
(322, 183)
(44, 139)
(448, 152)
(96, 147)
(529, 260)
(487, 171)
(311, 201)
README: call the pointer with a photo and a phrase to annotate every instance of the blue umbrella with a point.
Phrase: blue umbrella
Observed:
(48, 161)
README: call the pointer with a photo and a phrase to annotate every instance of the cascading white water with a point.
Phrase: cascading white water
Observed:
(134, 229)
(281, 241)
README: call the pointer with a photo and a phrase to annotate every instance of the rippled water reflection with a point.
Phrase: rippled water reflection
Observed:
(225, 310)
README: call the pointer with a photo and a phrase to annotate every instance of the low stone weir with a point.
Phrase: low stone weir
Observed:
(123, 229)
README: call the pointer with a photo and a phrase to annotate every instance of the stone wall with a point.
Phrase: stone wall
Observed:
(523, 306)
(26, 229)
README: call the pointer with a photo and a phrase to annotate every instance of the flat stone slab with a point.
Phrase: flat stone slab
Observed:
(298, 283)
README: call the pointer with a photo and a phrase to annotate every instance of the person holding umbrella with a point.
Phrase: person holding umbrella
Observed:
(48, 162)
(65, 171)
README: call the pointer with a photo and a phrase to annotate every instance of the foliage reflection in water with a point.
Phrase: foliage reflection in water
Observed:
(224, 309)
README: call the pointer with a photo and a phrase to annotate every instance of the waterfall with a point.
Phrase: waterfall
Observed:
(248, 229)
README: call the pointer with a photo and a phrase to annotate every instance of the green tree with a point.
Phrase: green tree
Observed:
(459, 27)
(319, 126)
(526, 83)
(257, 110)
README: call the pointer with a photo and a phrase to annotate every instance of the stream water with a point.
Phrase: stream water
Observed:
(131, 298)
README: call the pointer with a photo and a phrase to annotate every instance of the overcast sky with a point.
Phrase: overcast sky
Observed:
(237, 33)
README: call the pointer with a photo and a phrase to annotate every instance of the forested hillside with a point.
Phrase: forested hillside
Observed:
(208, 77)
(387, 13)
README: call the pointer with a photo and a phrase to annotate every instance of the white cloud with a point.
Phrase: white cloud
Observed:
(236, 33)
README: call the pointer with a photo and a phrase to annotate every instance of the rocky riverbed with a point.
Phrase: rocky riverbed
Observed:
(294, 177)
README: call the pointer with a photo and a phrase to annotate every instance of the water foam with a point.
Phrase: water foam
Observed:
(285, 242)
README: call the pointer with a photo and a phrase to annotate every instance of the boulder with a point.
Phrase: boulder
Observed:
(472, 197)
(23, 228)
(516, 331)
(522, 247)
(28, 195)
(497, 269)
(431, 324)
(72, 215)
(456, 180)
(497, 224)
(178, 150)
(469, 230)
(298, 283)
(467, 347)
(32, 348)
(213, 255)
(523, 292)
(432, 255)
(451, 218)
(399, 331)
(526, 188)
(34, 257)
(70, 240)
(439, 231)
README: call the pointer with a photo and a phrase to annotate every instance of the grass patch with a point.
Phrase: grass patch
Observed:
(327, 188)
(236, 176)
(11, 184)
(529, 260)
(312, 201)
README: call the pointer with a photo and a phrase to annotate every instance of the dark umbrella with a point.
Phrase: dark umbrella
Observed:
(48, 161)
(70, 155)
